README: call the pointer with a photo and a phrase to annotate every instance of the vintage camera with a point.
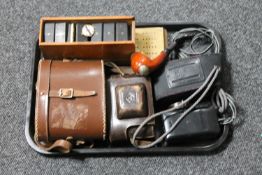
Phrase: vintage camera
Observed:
(200, 124)
(130, 102)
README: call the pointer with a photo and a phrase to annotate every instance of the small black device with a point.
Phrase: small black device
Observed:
(179, 77)
(200, 124)
(98, 27)
(70, 32)
(109, 32)
(49, 32)
(60, 32)
(79, 36)
(121, 31)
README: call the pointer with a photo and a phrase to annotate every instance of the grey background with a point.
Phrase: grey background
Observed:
(239, 23)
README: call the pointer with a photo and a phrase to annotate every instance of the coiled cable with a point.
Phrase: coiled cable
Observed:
(196, 34)
(223, 101)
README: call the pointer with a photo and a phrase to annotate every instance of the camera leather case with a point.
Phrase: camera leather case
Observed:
(67, 104)
(130, 103)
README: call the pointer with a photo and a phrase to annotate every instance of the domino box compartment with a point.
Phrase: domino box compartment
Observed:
(106, 149)
(118, 51)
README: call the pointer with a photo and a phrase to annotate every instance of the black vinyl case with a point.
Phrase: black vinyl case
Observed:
(105, 149)
(200, 124)
(181, 77)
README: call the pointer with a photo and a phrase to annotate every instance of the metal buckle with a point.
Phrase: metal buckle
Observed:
(66, 92)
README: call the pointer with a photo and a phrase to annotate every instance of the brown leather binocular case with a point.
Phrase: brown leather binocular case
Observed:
(70, 104)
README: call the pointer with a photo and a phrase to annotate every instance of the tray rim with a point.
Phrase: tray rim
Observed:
(206, 149)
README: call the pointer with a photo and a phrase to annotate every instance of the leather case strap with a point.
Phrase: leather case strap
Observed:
(70, 93)
(61, 145)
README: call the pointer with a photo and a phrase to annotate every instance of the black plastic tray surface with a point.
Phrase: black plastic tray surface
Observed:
(200, 148)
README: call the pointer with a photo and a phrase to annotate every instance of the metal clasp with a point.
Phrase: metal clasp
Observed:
(66, 92)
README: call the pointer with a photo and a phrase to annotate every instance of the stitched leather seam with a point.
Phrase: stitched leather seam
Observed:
(103, 101)
(47, 101)
(37, 103)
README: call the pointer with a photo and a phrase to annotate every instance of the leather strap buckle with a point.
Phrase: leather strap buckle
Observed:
(66, 92)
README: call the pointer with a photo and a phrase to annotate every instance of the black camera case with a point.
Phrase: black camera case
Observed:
(180, 77)
(200, 124)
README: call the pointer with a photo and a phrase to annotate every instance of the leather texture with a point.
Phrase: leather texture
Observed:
(70, 101)
(130, 103)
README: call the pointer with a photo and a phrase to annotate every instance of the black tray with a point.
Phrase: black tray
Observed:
(199, 148)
